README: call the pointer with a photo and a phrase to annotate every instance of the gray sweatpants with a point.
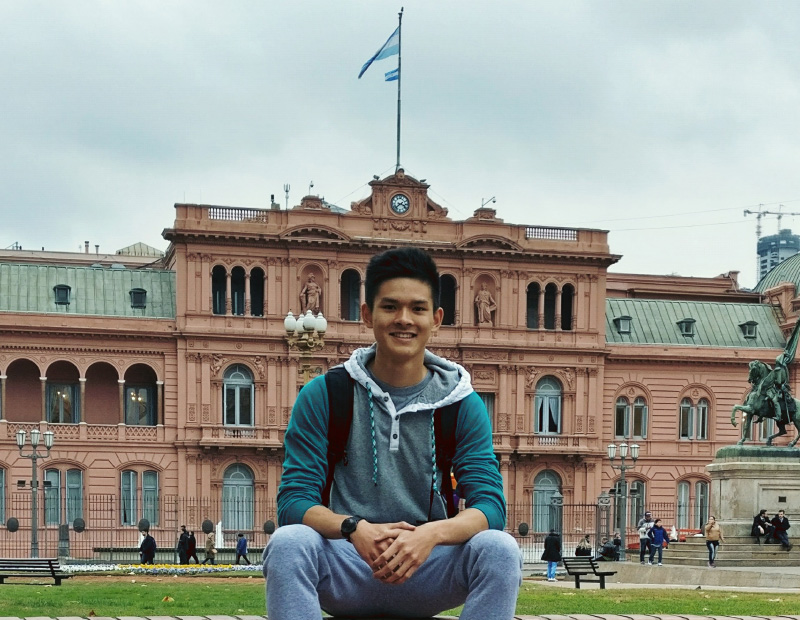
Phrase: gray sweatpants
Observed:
(306, 572)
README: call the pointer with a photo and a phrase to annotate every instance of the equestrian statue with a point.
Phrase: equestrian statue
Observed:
(770, 397)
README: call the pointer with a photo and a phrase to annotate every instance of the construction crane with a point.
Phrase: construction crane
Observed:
(760, 213)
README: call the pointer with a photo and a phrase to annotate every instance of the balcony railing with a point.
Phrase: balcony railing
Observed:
(87, 432)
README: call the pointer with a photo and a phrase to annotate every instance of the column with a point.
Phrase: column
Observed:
(522, 301)
(2, 394)
(558, 309)
(541, 306)
(82, 381)
(520, 413)
(247, 301)
(228, 304)
(159, 402)
(43, 381)
(121, 383)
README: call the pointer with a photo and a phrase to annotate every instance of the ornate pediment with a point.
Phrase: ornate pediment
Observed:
(311, 232)
(489, 243)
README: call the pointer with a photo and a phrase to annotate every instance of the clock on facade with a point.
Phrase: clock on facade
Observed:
(400, 203)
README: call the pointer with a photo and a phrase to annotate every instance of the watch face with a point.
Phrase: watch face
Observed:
(400, 203)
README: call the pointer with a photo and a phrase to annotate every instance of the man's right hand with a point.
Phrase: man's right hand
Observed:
(372, 539)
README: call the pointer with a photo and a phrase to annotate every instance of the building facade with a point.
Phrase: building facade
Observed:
(168, 383)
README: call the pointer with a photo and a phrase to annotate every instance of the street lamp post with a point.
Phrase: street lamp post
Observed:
(622, 467)
(305, 334)
(34, 456)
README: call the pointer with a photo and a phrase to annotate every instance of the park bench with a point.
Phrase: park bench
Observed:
(581, 567)
(32, 567)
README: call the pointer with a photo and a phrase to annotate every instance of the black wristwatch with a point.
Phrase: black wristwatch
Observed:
(349, 526)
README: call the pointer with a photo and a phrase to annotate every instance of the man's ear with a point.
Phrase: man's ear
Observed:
(366, 315)
(438, 317)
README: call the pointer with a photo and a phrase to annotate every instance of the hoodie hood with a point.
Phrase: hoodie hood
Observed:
(451, 382)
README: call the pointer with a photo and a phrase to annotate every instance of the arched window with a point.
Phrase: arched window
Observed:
(257, 292)
(532, 305)
(74, 497)
(237, 396)
(550, 306)
(622, 413)
(545, 515)
(237, 498)
(683, 505)
(447, 298)
(547, 406)
(63, 403)
(700, 504)
(685, 419)
(693, 419)
(129, 482)
(130, 494)
(567, 297)
(218, 289)
(350, 295)
(237, 291)
(150, 496)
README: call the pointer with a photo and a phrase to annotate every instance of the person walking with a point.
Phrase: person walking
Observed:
(644, 525)
(211, 548)
(552, 553)
(658, 539)
(241, 548)
(713, 534)
(183, 546)
(192, 549)
(147, 549)
(781, 525)
(584, 548)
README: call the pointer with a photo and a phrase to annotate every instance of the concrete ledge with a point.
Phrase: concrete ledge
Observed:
(630, 572)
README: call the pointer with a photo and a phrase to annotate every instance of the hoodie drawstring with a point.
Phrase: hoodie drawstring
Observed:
(372, 431)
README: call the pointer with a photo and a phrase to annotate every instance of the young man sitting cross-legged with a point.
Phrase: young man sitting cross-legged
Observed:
(384, 546)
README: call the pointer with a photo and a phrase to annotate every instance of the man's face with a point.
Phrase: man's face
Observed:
(403, 318)
(780, 514)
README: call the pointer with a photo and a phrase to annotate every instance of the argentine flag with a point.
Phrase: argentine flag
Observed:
(392, 75)
(390, 48)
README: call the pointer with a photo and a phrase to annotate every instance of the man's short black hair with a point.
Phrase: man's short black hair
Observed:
(401, 263)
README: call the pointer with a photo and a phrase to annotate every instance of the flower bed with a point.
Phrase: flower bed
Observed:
(162, 569)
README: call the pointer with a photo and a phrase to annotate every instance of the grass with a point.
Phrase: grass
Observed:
(142, 595)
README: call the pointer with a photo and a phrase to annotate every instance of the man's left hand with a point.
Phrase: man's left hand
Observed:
(407, 552)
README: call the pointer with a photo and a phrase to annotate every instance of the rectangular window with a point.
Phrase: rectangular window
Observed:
(139, 406)
(230, 406)
(685, 420)
(548, 415)
(640, 419)
(2, 495)
(74, 495)
(621, 415)
(52, 497)
(62, 403)
(150, 496)
(702, 420)
(683, 505)
(128, 486)
(488, 402)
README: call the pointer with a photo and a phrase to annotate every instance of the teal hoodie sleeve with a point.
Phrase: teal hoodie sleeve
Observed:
(305, 463)
(475, 465)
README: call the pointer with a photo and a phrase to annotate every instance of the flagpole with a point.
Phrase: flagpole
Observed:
(399, 77)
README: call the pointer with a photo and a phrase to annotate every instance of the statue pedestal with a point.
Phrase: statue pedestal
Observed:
(745, 479)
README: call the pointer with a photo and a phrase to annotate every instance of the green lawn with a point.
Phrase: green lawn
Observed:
(142, 595)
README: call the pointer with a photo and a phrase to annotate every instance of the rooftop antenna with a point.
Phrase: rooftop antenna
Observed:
(310, 187)
(486, 202)
(286, 188)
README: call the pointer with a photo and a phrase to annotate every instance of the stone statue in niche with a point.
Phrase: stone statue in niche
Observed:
(485, 305)
(311, 296)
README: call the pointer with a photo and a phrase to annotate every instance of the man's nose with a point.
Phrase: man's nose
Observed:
(403, 316)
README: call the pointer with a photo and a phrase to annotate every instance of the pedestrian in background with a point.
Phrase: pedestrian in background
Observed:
(552, 553)
(241, 548)
(658, 540)
(714, 537)
(781, 524)
(183, 546)
(192, 549)
(644, 525)
(584, 548)
(211, 548)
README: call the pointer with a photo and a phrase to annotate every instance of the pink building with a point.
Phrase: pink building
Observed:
(168, 382)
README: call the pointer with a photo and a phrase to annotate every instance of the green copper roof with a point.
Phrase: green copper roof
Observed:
(93, 291)
(655, 321)
(787, 271)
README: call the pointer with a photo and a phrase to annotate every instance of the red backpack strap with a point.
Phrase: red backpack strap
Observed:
(340, 387)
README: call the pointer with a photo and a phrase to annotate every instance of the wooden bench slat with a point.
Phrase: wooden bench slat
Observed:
(582, 566)
(32, 567)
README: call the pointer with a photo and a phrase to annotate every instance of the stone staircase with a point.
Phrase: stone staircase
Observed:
(736, 551)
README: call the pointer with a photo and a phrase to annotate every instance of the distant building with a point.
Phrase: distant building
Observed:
(774, 249)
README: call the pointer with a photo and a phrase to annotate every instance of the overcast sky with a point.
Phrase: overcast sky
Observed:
(661, 121)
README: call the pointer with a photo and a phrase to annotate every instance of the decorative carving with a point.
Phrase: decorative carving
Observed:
(258, 362)
(530, 377)
(400, 225)
(272, 413)
(485, 305)
(579, 424)
(591, 424)
(217, 361)
(483, 375)
(311, 296)
(206, 413)
(192, 413)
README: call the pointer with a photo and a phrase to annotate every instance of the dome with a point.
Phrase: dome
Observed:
(787, 271)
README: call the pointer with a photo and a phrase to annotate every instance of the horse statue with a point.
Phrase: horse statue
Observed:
(758, 405)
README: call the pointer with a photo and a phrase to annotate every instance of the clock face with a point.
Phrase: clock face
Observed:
(400, 203)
